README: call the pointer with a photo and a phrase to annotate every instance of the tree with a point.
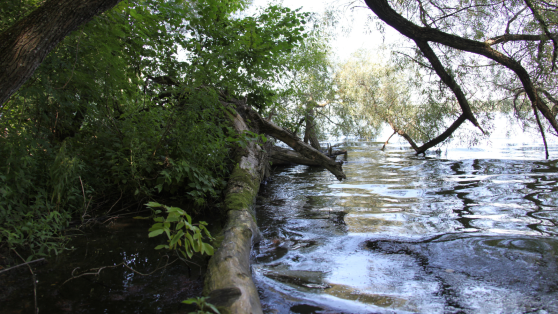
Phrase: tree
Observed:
(25, 44)
(114, 116)
(521, 34)
(374, 91)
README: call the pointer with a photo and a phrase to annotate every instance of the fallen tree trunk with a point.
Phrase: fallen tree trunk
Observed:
(284, 156)
(228, 281)
(295, 143)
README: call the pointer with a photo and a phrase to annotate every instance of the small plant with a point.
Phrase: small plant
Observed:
(203, 305)
(183, 236)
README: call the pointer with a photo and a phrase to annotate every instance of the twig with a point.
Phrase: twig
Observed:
(97, 271)
(34, 281)
(16, 266)
(121, 193)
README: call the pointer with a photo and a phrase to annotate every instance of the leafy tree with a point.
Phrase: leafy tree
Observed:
(518, 51)
(115, 115)
(302, 105)
(24, 45)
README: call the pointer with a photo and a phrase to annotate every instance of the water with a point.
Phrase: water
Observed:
(461, 231)
(106, 289)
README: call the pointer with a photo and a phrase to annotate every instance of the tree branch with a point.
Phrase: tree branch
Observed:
(25, 44)
(449, 81)
(279, 133)
(383, 10)
(539, 19)
(516, 37)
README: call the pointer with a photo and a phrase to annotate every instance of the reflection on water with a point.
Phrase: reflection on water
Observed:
(459, 232)
(106, 288)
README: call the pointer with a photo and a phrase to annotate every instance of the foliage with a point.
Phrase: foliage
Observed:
(98, 120)
(308, 86)
(518, 30)
(203, 305)
(376, 91)
(183, 236)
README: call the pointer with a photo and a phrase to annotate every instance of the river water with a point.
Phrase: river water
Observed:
(461, 231)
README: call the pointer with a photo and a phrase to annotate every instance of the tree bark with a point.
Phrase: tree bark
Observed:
(310, 132)
(389, 138)
(448, 80)
(25, 44)
(433, 142)
(228, 281)
(284, 156)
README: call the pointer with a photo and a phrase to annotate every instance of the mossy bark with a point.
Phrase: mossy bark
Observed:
(228, 281)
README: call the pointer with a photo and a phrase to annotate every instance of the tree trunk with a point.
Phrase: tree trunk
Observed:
(283, 156)
(310, 132)
(228, 281)
(295, 143)
(424, 34)
(25, 44)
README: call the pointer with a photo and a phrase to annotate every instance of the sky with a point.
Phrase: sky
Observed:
(347, 41)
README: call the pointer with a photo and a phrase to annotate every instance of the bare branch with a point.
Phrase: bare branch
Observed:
(516, 37)
(416, 61)
(513, 19)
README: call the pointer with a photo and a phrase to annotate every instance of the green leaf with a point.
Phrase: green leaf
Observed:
(207, 248)
(153, 204)
(212, 307)
(156, 233)
(161, 246)
(179, 225)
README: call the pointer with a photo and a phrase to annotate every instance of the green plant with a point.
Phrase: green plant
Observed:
(245, 137)
(203, 306)
(183, 236)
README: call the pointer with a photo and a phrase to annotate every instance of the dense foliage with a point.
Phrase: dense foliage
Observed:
(127, 108)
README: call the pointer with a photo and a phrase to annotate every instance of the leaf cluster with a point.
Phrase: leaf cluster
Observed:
(183, 236)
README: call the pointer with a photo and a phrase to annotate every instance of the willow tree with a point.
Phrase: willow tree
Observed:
(301, 106)
(515, 42)
(373, 91)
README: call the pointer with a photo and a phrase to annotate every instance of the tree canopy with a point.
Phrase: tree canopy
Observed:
(484, 52)
(136, 103)
(130, 106)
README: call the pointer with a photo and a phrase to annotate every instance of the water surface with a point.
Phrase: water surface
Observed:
(461, 231)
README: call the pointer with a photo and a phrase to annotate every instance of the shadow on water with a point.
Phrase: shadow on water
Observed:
(408, 234)
(106, 289)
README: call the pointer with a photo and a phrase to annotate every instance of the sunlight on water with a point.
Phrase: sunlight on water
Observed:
(462, 230)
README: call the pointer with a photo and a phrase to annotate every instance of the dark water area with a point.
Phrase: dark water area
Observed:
(106, 288)
(461, 231)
